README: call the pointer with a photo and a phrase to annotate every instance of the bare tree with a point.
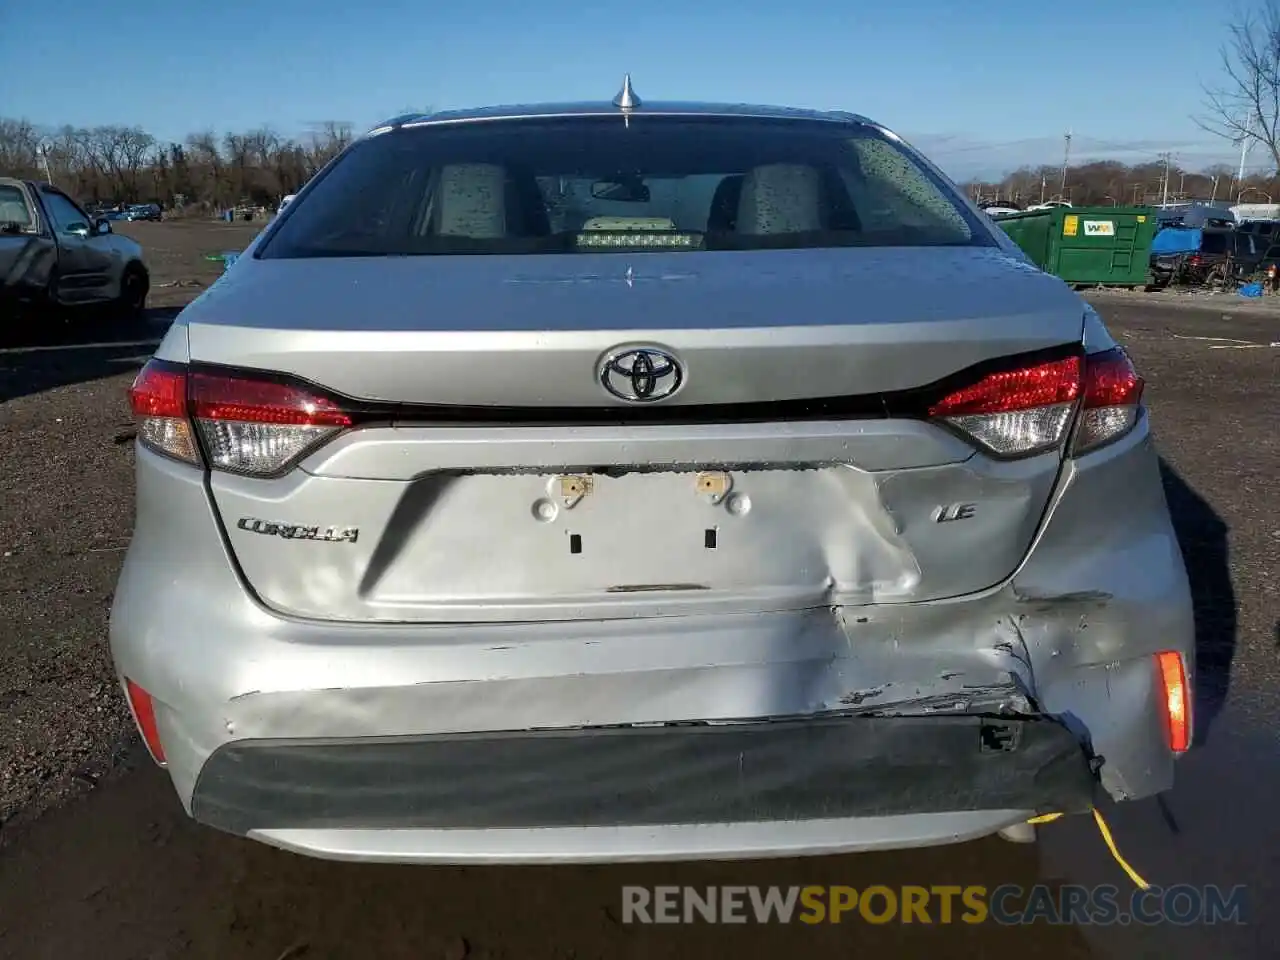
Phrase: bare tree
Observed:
(1245, 106)
(116, 154)
(235, 147)
(19, 147)
(206, 166)
(1111, 183)
(327, 142)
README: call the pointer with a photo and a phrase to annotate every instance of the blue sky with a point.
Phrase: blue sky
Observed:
(982, 88)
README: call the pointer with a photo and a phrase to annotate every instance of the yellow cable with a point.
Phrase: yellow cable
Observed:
(1047, 818)
(1115, 852)
(1108, 839)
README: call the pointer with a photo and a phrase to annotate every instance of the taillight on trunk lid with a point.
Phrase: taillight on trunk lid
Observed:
(1112, 400)
(260, 427)
(1024, 411)
(247, 425)
(1015, 413)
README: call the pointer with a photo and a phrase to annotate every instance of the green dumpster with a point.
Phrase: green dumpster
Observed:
(1087, 245)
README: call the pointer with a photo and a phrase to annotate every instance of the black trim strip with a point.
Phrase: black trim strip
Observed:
(904, 404)
(747, 772)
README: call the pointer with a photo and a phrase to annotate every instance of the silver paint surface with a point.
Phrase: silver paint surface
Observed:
(831, 585)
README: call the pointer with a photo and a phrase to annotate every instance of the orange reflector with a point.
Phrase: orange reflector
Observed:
(144, 713)
(1177, 700)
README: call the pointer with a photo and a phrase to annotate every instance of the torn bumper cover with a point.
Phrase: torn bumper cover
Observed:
(787, 770)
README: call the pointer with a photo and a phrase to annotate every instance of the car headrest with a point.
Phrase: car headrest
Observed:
(473, 201)
(780, 198)
(723, 215)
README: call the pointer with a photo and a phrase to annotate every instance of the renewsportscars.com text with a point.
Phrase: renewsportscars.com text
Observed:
(1009, 904)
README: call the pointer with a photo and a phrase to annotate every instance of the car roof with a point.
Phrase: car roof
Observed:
(606, 109)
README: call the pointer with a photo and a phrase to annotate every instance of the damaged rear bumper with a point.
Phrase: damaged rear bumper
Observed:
(253, 706)
(891, 780)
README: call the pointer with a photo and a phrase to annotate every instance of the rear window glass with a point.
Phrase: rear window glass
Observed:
(1214, 243)
(600, 184)
(13, 208)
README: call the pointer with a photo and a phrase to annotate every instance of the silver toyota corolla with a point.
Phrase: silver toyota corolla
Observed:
(624, 480)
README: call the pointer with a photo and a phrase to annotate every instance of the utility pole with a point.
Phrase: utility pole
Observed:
(1164, 189)
(44, 156)
(1066, 160)
(1244, 152)
(1214, 198)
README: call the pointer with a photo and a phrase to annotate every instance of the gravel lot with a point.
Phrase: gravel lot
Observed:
(119, 872)
(66, 479)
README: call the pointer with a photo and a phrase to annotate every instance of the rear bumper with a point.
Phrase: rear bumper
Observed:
(614, 792)
(462, 741)
(835, 767)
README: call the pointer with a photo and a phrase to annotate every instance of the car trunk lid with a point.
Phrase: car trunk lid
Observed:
(500, 481)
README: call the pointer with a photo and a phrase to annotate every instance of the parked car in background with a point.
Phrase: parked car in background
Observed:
(485, 515)
(1267, 263)
(144, 211)
(1194, 256)
(1195, 216)
(55, 256)
(1260, 228)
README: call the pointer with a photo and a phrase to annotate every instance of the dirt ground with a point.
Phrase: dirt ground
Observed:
(177, 250)
(63, 726)
(98, 861)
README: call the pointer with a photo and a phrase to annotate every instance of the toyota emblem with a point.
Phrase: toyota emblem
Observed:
(641, 374)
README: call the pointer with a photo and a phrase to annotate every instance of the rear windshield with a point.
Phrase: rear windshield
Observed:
(600, 184)
(1213, 243)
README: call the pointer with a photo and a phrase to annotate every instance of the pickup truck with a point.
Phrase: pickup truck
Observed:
(55, 257)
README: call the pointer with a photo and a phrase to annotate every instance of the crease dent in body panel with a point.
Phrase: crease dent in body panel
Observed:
(926, 653)
(881, 565)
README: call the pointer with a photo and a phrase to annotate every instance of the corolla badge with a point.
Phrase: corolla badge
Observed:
(641, 374)
(298, 531)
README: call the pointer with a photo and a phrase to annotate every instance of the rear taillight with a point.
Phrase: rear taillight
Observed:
(159, 401)
(1014, 413)
(1196, 260)
(260, 427)
(1112, 400)
(247, 425)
